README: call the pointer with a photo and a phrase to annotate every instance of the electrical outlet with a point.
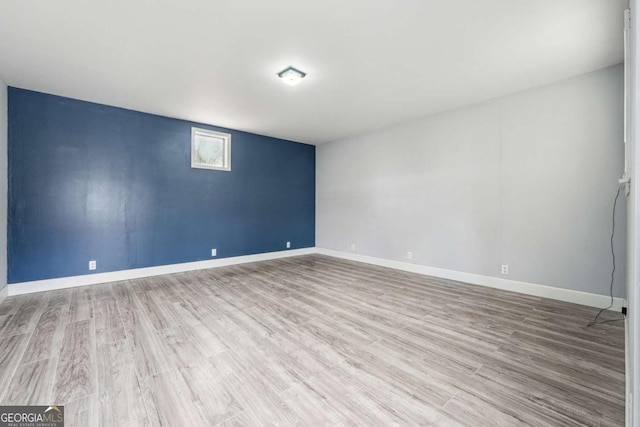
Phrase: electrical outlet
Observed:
(214, 252)
(504, 269)
(92, 265)
(288, 245)
(353, 247)
(409, 255)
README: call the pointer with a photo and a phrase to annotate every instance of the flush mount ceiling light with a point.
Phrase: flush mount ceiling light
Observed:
(291, 76)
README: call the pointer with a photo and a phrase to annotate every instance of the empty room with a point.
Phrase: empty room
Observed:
(364, 213)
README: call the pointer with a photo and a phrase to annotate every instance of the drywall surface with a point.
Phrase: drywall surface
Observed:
(633, 243)
(93, 182)
(526, 180)
(3, 187)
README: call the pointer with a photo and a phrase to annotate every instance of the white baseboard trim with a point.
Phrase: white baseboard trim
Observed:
(115, 276)
(568, 295)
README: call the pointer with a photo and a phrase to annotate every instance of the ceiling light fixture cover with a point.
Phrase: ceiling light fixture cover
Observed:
(291, 76)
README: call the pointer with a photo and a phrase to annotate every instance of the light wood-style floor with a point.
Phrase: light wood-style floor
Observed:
(309, 341)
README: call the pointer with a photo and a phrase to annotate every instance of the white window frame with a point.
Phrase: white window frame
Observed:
(226, 138)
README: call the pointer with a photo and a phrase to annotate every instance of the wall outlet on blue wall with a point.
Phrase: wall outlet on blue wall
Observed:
(92, 265)
(288, 245)
(214, 252)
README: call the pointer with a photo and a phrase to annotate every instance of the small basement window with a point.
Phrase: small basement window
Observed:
(210, 149)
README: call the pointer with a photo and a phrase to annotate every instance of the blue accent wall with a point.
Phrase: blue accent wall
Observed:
(93, 182)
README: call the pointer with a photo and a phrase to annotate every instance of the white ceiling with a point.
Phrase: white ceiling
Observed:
(370, 63)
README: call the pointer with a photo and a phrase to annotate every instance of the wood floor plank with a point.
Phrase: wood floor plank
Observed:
(59, 297)
(4, 321)
(145, 343)
(169, 402)
(311, 406)
(46, 340)
(206, 335)
(584, 373)
(471, 410)
(148, 351)
(119, 393)
(569, 350)
(348, 401)
(554, 393)
(11, 350)
(262, 405)
(76, 373)
(26, 317)
(209, 387)
(179, 349)
(83, 412)
(160, 315)
(423, 386)
(396, 404)
(108, 323)
(82, 304)
(32, 383)
(585, 333)
(10, 305)
(515, 399)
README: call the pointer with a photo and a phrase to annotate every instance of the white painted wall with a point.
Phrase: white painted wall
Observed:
(3, 190)
(526, 180)
(633, 242)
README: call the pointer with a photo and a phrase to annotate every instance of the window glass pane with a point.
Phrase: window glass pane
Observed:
(210, 150)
